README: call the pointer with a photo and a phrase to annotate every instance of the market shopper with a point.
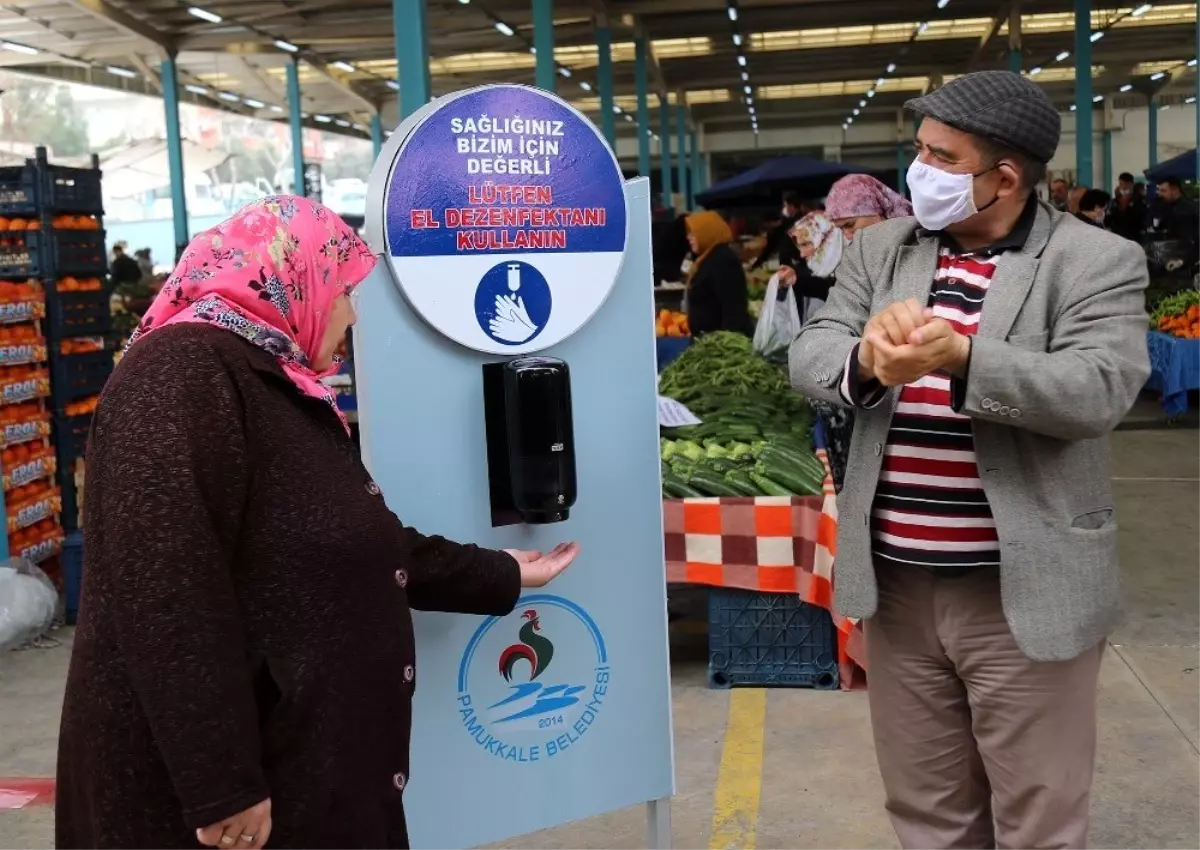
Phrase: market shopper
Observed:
(243, 671)
(977, 533)
(717, 295)
(859, 200)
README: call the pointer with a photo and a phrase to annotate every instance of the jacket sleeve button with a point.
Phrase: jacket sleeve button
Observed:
(402, 578)
(372, 488)
(399, 781)
(878, 449)
(408, 672)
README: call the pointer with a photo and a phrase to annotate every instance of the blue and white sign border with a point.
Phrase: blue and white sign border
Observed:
(426, 282)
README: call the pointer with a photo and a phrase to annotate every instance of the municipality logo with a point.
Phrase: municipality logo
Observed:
(512, 303)
(532, 684)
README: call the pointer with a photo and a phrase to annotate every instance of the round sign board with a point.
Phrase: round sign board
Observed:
(502, 217)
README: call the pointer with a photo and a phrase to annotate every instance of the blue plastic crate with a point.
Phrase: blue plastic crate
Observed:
(769, 640)
(23, 254)
(74, 376)
(72, 573)
(71, 314)
(79, 253)
(70, 439)
(39, 187)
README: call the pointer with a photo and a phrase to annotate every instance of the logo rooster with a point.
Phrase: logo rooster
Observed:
(534, 648)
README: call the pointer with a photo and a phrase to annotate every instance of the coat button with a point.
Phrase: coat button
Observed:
(987, 404)
(372, 488)
(402, 578)
(408, 672)
(1014, 413)
(1004, 408)
(878, 449)
(399, 780)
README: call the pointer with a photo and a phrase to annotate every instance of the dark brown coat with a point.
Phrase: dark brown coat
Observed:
(245, 626)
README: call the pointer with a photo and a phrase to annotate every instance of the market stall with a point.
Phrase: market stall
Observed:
(1174, 346)
(749, 510)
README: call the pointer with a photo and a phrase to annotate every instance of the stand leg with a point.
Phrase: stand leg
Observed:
(658, 814)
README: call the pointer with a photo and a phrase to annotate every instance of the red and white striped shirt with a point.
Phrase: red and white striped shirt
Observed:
(930, 509)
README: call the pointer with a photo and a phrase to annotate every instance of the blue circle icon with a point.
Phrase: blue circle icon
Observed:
(512, 303)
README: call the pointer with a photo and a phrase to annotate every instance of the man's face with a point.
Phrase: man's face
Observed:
(1168, 193)
(953, 151)
(1125, 187)
(1058, 191)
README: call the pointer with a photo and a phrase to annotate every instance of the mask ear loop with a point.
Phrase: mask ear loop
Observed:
(993, 200)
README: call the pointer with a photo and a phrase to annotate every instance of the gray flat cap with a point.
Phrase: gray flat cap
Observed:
(998, 105)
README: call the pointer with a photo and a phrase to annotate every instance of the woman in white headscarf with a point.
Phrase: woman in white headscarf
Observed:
(820, 245)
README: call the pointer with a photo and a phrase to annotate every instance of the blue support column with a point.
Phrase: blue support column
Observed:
(681, 178)
(1084, 172)
(1108, 163)
(694, 172)
(376, 133)
(179, 212)
(294, 118)
(604, 75)
(1015, 61)
(641, 80)
(665, 133)
(546, 75)
(412, 54)
(1152, 126)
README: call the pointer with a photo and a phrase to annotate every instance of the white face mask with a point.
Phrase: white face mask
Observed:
(940, 198)
(784, 212)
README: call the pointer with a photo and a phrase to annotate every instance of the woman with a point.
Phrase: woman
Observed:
(819, 244)
(717, 296)
(859, 200)
(243, 663)
(854, 202)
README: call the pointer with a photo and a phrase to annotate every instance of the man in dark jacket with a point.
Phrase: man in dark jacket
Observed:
(1173, 216)
(124, 267)
(1127, 212)
(779, 243)
(1092, 207)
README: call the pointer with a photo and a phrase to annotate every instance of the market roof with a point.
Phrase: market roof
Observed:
(806, 62)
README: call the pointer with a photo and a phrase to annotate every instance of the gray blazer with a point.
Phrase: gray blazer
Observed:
(1059, 359)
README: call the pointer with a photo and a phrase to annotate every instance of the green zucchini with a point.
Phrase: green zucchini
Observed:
(786, 476)
(741, 481)
(769, 487)
(712, 483)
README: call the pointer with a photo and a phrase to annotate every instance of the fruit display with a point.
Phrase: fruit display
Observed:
(58, 222)
(37, 543)
(82, 407)
(82, 345)
(755, 435)
(24, 463)
(671, 323)
(1178, 315)
(84, 284)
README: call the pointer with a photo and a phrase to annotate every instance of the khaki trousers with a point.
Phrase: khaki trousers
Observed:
(978, 745)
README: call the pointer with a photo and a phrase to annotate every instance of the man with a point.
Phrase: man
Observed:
(1172, 216)
(1126, 214)
(778, 242)
(1092, 206)
(1059, 191)
(979, 462)
(124, 267)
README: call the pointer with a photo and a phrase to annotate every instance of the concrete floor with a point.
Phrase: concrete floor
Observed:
(818, 784)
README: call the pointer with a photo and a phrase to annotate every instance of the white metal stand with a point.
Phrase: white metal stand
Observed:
(658, 817)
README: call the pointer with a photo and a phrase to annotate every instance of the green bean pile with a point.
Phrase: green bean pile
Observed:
(723, 362)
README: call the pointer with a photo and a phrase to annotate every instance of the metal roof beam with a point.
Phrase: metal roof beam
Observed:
(340, 80)
(105, 11)
(1000, 19)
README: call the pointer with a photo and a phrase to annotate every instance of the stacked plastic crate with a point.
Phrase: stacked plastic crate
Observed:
(54, 353)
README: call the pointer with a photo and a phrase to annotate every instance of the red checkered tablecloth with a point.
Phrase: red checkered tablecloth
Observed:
(770, 544)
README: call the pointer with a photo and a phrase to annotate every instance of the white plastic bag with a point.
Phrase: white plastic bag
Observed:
(779, 322)
(28, 604)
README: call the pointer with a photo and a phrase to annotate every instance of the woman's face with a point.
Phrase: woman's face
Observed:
(692, 243)
(807, 250)
(850, 226)
(341, 317)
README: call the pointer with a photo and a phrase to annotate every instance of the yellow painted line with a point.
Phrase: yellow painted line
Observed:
(739, 782)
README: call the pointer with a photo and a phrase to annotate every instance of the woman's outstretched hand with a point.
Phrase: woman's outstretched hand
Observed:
(248, 830)
(538, 569)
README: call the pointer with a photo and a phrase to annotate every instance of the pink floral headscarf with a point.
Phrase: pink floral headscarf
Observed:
(860, 195)
(270, 274)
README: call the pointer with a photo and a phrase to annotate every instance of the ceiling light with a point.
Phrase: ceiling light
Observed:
(533, 50)
(924, 26)
(19, 48)
(464, 2)
(1164, 107)
(1192, 63)
(845, 126)
(870, 92)
(359, 127)
(856, 110)
(745, 76)
(879, 81)
(1035, 70)
(942, 4)
(1158, 76)
(1141, 10)
(229, 96)
(1127, 87)
(196, 89)
(746, 89)
(205, 15)
(342, 123)
(344, 66)
(862, 102)
(628, 117)
(616, 109)
(1097, 35)
(737, 39)
(849, 120)
(1098, 98)
(120, 72)
(732, 14)
(742, 60)
(1191, 99)
(253, 104)
(1060, 57)
(891, 67)
(504, 28)
(585, 85)
(393, 85)
(566, 72)
(286, 45)
(324, 119)
(276, 108)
